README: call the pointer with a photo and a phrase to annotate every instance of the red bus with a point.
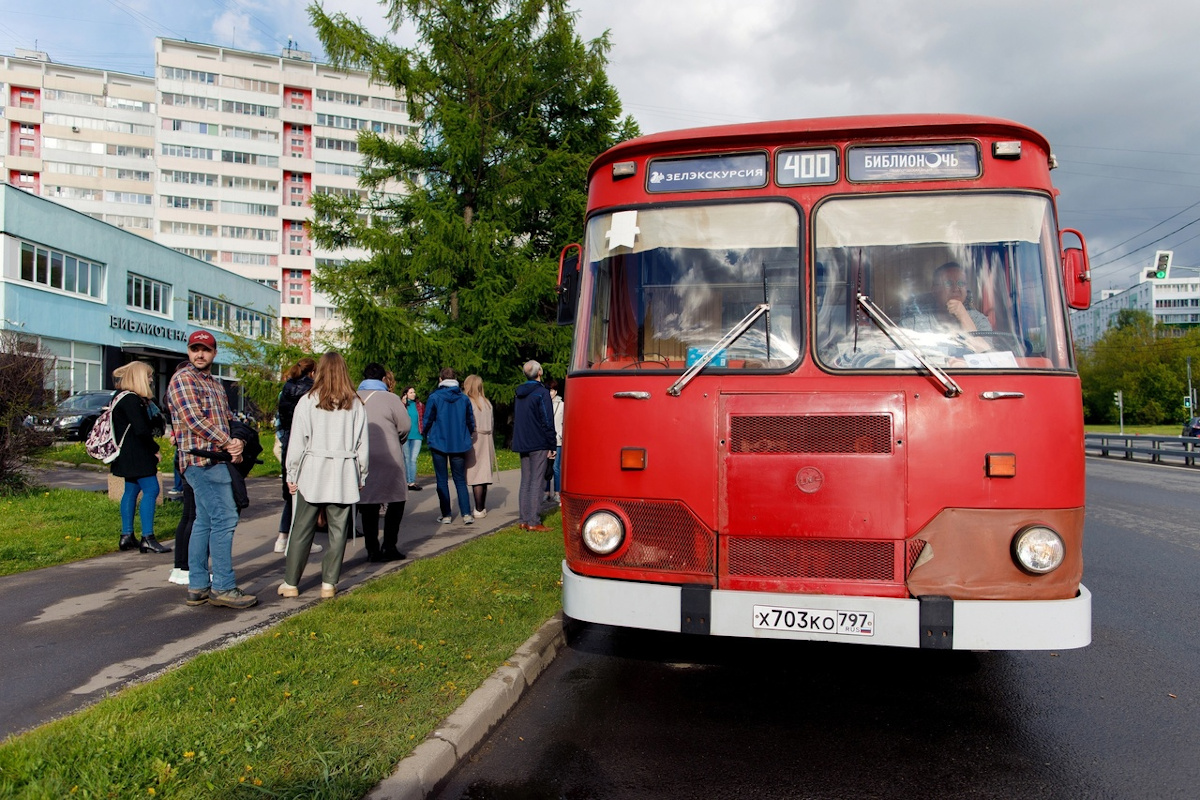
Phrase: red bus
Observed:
(823, 388)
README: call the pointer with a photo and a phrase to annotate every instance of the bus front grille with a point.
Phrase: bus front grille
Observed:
(789, 559)
(811, 433)
(664, 536)
(818, 559)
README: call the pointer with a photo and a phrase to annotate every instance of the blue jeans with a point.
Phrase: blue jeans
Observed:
(411, 448)
(458, 468)
(212, 532)
(148, 487)
(558, 470)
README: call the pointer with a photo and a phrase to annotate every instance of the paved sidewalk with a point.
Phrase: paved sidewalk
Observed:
(77, 632)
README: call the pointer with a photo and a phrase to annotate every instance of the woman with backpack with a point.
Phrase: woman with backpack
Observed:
(138, 459)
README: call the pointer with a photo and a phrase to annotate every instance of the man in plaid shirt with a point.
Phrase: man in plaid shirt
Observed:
(201, 421)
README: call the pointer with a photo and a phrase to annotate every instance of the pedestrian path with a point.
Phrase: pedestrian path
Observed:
(79, 631)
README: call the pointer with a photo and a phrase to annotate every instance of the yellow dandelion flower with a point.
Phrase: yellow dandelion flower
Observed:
(354, 682)
(241, 779)
(258, 781)
(151, 791)
(190, 754)
(249, 768)
(287, 694)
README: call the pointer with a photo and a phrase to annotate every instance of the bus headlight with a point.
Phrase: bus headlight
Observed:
(1039, 550)
(603, 532)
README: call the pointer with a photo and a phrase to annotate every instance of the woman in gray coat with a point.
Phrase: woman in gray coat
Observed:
(326, 468)
(388, 427)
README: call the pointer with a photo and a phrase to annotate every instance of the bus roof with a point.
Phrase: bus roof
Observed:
(881, 127)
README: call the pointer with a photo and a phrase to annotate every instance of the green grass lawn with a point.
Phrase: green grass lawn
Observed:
(322, 705)
(55, 526)
(1142, 430)
(73, 453)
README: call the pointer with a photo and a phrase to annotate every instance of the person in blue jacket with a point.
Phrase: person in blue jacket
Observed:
(535, 440)
(447, 428)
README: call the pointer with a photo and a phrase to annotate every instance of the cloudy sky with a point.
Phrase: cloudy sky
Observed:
(1113, 86)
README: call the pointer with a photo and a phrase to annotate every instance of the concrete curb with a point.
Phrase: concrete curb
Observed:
(420, 773)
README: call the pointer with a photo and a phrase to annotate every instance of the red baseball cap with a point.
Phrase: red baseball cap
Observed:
(203, 338)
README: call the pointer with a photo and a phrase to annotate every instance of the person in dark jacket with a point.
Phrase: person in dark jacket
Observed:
(447, 428)
(137, 462)
(534, 439)
(297, 382)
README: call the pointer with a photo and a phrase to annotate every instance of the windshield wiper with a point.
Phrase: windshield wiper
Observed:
(725, 341)
(893, 332)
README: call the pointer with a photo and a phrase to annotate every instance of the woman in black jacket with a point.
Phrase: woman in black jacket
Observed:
(138, 460)
(297, 382)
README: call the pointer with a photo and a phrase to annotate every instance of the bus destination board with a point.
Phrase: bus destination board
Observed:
(742, 171)
(912, 162)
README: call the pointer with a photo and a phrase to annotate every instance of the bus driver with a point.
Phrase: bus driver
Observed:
(946, 309)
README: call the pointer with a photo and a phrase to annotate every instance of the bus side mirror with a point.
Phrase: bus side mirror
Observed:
(568, 283)
(1077, 272)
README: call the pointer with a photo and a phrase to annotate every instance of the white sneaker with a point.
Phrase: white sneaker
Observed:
(481, 513)
(316, 548)
(281, 543)
(445, 520)
(179, 576)
(468, 519)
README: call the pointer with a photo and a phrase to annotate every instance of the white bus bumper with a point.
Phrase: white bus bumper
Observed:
(898, 622)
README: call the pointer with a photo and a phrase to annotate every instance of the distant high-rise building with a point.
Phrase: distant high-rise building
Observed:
(215, 156)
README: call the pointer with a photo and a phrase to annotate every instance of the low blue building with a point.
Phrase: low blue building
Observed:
(95, 296)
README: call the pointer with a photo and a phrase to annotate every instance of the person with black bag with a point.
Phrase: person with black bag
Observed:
(137, 461)
(297, 382)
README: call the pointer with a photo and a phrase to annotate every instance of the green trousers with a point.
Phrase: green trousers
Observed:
(304, 525)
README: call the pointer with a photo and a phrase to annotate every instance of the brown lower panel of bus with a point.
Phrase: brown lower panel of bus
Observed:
(968, 555)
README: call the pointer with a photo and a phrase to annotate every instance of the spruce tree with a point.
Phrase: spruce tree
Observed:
(510, 107)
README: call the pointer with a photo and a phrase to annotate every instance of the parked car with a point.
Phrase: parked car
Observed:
(74, 417)
(1192, 428)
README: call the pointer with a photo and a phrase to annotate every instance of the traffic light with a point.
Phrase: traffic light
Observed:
(1162, 265)
(1187, 402)
(1117, 397)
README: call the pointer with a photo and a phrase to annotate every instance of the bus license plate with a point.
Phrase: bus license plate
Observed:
(815, 620)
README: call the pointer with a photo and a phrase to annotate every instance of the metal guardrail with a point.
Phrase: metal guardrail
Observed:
(1184, 450)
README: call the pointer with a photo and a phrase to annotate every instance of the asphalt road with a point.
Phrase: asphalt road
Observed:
(631, 715)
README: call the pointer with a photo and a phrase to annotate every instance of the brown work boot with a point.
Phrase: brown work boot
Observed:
(232, 598)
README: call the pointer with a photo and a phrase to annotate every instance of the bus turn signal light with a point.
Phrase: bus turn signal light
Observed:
(633, 458)
(1001, 465)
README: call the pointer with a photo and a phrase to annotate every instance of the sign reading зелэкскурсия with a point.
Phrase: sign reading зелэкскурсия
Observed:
(743, 171)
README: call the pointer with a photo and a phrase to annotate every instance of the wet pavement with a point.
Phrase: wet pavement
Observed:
(77, 632)
(633, 714)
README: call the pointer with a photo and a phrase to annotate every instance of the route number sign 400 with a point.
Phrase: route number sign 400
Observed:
(815, 620)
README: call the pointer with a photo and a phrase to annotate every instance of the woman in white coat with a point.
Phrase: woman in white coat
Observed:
(326, 468)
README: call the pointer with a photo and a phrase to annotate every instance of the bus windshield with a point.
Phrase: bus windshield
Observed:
(968, 278)
(662, 286)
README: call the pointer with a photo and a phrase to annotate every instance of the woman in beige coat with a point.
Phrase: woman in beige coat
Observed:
(326, 468)
(387, 430)
(481, 460)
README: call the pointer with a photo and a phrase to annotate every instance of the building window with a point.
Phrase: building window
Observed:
(76, 366)
(213, 313)
(61, 271)
(148, 294)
